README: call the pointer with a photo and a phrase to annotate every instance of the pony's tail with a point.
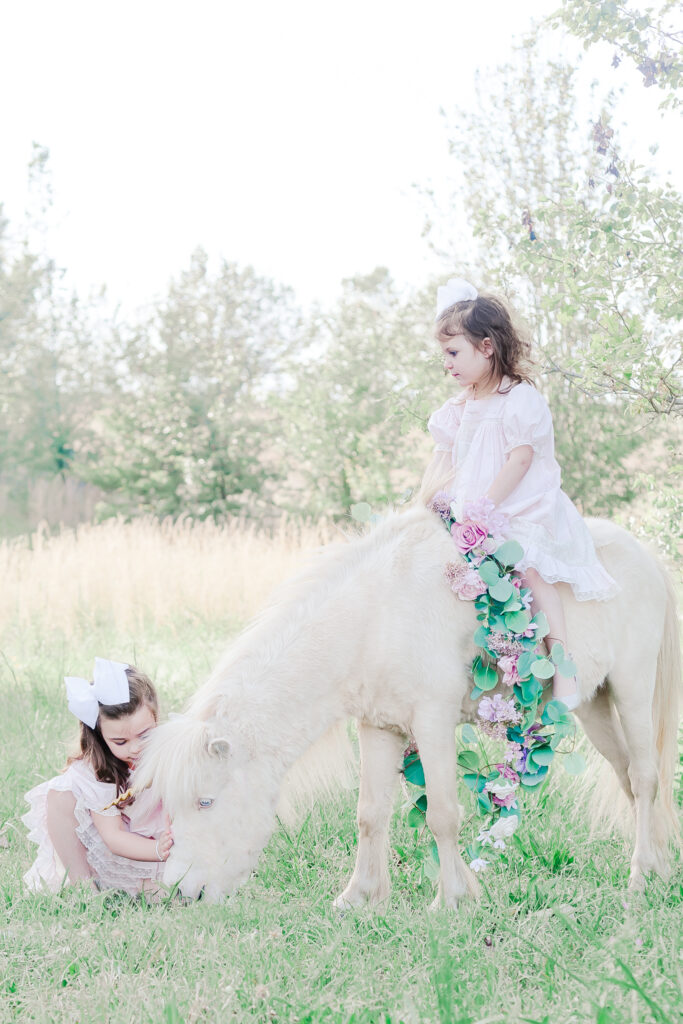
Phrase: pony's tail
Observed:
(327, 767)
(665, 716)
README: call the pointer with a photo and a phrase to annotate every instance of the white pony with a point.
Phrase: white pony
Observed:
(372, 631)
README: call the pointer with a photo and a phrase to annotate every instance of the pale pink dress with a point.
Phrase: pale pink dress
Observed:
(92, 797)
(478, 434)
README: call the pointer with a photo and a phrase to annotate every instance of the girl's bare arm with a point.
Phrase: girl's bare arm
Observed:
(128, 844)
(515, 468)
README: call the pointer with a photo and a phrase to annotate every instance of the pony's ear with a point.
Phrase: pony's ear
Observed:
(219, 747)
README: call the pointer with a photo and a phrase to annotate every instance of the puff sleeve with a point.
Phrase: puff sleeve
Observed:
(527, 420)
(443, 425)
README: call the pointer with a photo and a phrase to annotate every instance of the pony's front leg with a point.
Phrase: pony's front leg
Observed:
(435, 735)
(380, 763)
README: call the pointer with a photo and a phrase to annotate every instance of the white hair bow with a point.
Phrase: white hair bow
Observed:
(109, 686)
(455, 290)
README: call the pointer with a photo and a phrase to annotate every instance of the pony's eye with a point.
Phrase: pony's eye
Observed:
(204, 802)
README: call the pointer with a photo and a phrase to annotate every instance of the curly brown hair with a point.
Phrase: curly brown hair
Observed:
(488, 317)
(105, 764)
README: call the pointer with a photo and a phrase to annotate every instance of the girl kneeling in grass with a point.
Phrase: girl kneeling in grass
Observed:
(83, 828)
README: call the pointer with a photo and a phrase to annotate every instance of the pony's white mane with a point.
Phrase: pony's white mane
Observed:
(299, 600)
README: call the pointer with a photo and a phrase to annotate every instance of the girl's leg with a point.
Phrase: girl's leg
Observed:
(547, 599)
(61, 828)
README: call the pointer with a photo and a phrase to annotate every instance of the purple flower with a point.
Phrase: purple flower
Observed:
(498, 709)
(512, 752)
(500, 643)
(441, 504)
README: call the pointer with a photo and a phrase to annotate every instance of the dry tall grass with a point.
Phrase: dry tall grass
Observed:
(130, 574)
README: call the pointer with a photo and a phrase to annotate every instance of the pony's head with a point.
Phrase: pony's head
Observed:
(221, 797)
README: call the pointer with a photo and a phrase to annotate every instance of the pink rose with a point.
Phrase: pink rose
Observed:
(467, 535)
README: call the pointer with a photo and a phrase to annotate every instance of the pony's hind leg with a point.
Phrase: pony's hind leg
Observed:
(435, 735)
(380, 763)
(633, 691)
(598, 718)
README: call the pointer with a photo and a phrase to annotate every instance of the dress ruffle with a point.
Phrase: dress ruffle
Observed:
(563, 563)
(110, 870)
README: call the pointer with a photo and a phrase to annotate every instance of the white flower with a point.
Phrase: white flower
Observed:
(484, 838)
(478, 864)
(504, 827)
(499, 845)
(501, 787)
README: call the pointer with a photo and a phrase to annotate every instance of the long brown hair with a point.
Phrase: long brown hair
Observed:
(488, 317)
(105, 764)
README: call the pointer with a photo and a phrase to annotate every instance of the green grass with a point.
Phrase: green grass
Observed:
(555, 937)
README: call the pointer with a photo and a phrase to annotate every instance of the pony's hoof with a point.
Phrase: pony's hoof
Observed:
(636, 882)
(345, 902)
(441, 904)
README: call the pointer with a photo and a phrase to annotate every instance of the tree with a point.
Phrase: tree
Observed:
(345, 415)
(46, 390)
(647, 39)
(188, 430)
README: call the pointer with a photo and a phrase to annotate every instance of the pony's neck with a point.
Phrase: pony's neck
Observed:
(283, 686)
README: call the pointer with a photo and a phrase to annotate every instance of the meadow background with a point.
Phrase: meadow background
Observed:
(555, 937)
(162, 469)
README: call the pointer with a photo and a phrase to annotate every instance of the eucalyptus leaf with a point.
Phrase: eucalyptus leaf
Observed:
(414, 772)
(473, 850)
(484, 801)
(557, 652)
(509, 553)
(574, 763)
(542, 755)
(474, 781)
(524, 663)
(531, 779)
(517, 622)
(552, 712)
(489, 572)
(469, 759)
(481, 636)
(416, 818)
(567, 668)
(501, 591)
(485, 677)
(542, 668)
(542, 627)
(468, 734)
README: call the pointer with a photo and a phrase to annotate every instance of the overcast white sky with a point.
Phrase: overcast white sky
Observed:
(285, 135)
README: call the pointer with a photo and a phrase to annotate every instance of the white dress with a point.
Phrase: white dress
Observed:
(92, 796)
(478, 434)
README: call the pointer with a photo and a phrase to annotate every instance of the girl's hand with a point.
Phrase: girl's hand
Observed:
(164, 844)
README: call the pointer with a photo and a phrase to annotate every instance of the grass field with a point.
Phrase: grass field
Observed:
(555, 937)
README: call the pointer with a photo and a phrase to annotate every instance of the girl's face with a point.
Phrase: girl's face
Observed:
(125, 736)
(467, 364)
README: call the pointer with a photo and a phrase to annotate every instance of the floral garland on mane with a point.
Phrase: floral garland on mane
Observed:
(509, 639)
